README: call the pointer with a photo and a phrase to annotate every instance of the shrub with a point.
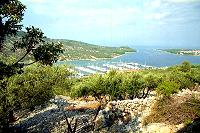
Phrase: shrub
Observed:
(122, 85)
(94, 86)
(195, 75)
(152, 80)
(175, 110)
(167, 88)
(112, 84)
(181, 78)
(79, 90)
(61, 80)
(133, 84)
(185, 66)
(36, 85)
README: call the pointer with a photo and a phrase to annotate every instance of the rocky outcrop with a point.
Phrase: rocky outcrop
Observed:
(118, 116)
(123, 116)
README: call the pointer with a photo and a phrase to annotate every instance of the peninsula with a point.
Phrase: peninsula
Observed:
(77, 50)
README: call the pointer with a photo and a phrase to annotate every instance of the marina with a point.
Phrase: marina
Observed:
(104, 68)
(142, 59)
(96, 68)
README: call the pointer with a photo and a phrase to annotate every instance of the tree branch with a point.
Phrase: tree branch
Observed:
(30, 63)
(21, 58)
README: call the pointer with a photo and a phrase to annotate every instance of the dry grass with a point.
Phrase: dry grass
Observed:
(175, 110)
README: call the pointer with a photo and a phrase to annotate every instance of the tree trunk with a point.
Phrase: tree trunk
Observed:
(12, 118)
(148, 90)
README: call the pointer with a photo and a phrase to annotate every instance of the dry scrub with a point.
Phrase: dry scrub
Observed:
(175, 110)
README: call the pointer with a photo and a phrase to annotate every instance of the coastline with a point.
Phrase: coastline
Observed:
(95, 59)
(164, 51)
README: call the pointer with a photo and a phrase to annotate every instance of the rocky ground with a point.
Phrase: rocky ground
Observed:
(117, 117)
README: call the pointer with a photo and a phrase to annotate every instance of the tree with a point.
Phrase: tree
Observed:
(112, 84)
(167, 88)
(151, 82)
(185, 66)
(133, 84)
(32, 43)
(11, 14)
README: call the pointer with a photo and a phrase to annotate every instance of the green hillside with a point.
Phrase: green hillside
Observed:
(79, 50)
(76, 50)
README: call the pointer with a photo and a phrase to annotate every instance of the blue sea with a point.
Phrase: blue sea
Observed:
(146, 56)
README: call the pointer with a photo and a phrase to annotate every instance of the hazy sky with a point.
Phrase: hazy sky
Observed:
(118, 22)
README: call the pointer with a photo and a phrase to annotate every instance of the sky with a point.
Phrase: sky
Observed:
(167, 23)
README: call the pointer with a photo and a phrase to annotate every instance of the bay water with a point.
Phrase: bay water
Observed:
(145, 56)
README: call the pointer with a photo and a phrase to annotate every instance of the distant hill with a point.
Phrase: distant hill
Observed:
(76, 50)
(79, 50)
(195, 52)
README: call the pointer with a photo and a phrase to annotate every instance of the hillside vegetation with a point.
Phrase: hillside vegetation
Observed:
(40, 83)
(79, 50)
(25, 86)
(76, 50)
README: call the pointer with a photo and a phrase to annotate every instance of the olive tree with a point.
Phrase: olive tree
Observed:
(32, 44)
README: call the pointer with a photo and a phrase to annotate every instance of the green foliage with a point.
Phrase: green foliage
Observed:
(167, 88)
(73, 50)
(112, 84)
(185, 66)
(195, 75)
(61, 79)
(115, 84)
(32, 38)
(79, 90)
(123, 85)
(16, 89)
(11, 13)
(94, 86)
(79, 50)
(183, 79)
(5, 107)
(152, 80)
(35, 86)
(48, 53)
(132, 84)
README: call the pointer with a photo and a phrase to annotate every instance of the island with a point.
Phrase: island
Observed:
(195, 52)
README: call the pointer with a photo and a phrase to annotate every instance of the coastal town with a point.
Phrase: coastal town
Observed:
(194, 52)
(190, 52)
